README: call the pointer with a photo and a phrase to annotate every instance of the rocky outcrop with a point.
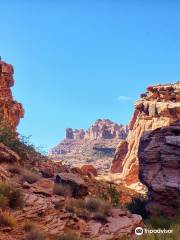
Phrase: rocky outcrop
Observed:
(96, 146)
(10, 110)
(159, 106)
(159, 168)
(101, 129)
(7, 155)
(74, 182)
(89, 170)
(106, 129)
(120, 154)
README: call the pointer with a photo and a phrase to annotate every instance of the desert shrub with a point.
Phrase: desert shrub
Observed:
(162, 221)
(30, 176)
(68, 236)
(114, 195)
(16, 199)
(62, 190)
(10, 196)
(3, 201)
(36, 234)
(98, 205)
(89, 208)
(7, 219)
(137, 206)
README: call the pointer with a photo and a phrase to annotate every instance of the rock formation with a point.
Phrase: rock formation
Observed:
(159, 106)
(159, 168)
(101, 129)
(10, 110)
(96, 146)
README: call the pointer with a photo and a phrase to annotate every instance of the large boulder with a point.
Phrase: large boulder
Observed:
(159, 167)
(89, 170)
(74, 182)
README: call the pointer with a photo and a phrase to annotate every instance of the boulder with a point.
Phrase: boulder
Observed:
(89, 170)
(74, 182)
(159, 169)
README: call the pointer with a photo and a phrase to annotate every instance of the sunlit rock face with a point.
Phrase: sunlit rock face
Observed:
(159, 168)
(96, 146)
(158, 107)
(10, 110)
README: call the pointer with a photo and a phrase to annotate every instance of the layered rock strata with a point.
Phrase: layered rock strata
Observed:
(96, 146)
(159, 168)
(10, 110)
(158, 107)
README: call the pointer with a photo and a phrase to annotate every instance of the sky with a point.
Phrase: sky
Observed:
(77, 61)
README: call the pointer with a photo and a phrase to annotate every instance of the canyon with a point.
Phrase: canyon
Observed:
(62, 193)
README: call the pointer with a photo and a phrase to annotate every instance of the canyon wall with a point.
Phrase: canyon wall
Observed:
(10, 110)
(159, 106)
(159, 169)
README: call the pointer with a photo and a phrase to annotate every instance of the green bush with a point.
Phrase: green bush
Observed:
(137, 206)
(115, 195)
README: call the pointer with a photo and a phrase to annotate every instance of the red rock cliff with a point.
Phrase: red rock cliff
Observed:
(159, 106)
(11, 111)
(159, 169)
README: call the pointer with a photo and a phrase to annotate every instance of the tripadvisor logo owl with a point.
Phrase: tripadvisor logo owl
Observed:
(139, 231)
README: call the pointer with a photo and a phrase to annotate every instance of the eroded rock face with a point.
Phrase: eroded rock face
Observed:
(96, 146)
(10, 110)
(89, 170)
(8, 155)
(159, 167)
(159, 106)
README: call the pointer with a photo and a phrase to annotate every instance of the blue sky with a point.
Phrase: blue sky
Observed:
(76, 61)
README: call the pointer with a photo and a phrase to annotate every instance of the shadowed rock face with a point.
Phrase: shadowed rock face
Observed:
(159, 168)
(159, 106)
(10, 110)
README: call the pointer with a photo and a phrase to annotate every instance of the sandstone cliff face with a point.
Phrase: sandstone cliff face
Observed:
(159, 169)
(10, 110)
(96, 146)
(159, 106)
(101, 129)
